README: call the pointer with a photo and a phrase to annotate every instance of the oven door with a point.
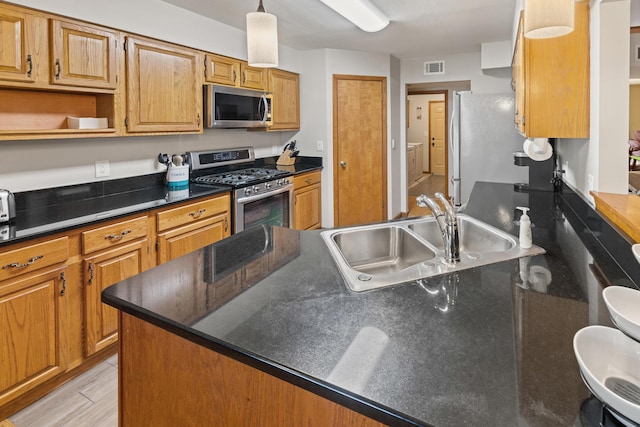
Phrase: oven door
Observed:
(273, 208)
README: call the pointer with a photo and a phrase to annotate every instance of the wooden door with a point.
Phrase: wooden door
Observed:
(30, 332)
(164, 93)
(437, 137)
(102, 271)
(83, 55)
(16, 61)
(360, 155)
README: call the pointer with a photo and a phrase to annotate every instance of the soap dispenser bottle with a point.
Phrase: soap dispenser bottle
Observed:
(525, 229)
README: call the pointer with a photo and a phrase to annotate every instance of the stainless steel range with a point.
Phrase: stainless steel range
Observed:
(261, 195)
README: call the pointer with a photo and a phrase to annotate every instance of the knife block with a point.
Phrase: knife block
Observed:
(285, 159)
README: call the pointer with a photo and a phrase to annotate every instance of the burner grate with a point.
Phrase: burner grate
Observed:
(242, 177)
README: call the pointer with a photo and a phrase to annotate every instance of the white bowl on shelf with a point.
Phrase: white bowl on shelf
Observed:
(624, 307)
(610, 365)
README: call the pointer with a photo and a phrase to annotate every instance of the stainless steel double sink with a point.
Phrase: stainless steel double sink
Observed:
(380, 255)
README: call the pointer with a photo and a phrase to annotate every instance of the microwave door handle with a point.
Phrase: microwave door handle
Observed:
(263, 107)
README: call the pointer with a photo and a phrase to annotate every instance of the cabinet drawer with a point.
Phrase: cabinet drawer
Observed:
(192, 212)
(33, 257)
(114, 234)
(306, 179)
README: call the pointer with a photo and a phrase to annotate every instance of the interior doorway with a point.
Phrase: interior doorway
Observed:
(360, 155)
(435, 183)
(426, 146)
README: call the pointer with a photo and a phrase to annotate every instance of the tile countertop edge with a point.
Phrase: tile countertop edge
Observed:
(323, 389)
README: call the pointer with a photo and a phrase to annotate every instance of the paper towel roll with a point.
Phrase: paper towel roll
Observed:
(538, 149)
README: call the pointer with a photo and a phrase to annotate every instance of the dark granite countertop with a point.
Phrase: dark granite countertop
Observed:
(43, 212)
(485, 346)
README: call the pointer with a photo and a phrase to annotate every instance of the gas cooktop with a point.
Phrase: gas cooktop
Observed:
(241, 177)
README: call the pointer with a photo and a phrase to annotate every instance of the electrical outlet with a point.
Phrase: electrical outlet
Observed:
(393, 144)
(319, 145)
(102, 168)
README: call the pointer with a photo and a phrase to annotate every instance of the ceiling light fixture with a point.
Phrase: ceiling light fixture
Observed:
(548, 18)
(262, 38)
(361, 13)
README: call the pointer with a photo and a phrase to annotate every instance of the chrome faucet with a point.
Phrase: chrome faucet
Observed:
(448, 223)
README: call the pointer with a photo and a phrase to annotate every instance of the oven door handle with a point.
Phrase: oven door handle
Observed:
(249, 199)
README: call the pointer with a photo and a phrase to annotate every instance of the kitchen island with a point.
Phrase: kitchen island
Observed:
(260, 329)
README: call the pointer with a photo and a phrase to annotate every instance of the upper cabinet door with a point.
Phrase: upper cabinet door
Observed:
(253, 77)
(83, 55)
(285, 106)
(221, 70)
(163, 90)
(16, 61)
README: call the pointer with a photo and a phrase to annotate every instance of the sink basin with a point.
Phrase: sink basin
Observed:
(380, 250)
(379, 255)
(474, 235)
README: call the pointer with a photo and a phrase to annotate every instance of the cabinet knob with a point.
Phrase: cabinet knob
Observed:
(343, 164)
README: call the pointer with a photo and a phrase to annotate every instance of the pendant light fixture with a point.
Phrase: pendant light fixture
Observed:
(361, 13)
(262, 38)
(548, 18)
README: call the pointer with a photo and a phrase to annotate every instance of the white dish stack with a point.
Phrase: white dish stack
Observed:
(609, 358)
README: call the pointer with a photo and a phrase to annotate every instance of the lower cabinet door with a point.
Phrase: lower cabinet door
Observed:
(100, 272)
(30, 332)
(307, 208)
(182, 240)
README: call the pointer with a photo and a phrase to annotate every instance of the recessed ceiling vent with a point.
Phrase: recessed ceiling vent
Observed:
(435, 67)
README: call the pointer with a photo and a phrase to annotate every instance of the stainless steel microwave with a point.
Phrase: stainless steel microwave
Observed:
(230, 107)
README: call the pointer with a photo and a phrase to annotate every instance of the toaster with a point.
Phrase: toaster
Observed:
(7, 206)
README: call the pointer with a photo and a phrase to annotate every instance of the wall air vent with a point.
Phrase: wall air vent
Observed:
(435, 67)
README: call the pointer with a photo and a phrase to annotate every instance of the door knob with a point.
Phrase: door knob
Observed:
(343, 164)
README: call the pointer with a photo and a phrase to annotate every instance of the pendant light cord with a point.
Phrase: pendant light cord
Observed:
(260, 7)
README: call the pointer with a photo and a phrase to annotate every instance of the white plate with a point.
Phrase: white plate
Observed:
(636, 251)
(624, 306)
(610, 364)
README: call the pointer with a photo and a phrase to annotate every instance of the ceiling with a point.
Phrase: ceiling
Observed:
(418, 28)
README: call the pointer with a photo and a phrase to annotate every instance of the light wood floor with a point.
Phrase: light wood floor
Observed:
(88, 400)
(429, 185)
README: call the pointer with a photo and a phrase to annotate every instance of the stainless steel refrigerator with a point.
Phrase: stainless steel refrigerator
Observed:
(482, 140)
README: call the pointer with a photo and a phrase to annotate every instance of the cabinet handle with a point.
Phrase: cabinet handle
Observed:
(198, 214)
(91, 273)
(244, 77)
(226, 224)
(63, 279)
(513, 85)
(308, 180)
(58, 70)
(198, 119)
(30, 62)
(117, 236)
(19, 266)
(234, 75)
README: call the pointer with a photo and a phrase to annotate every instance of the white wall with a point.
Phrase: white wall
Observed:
(51, 163)
(600, 163)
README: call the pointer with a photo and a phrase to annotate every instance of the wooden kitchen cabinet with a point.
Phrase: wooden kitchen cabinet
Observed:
(285, 105)
(23, 41)
(33, 333)
(307, 196)
(551, 80)
(192, 226)
(112, 253)
(164, 91)
(83, 55)
(51, 69)
(227, 71)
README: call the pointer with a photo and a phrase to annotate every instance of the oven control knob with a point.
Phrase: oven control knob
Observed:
(286, 181)
(267, 185)
(256, 189)
(247, 191)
